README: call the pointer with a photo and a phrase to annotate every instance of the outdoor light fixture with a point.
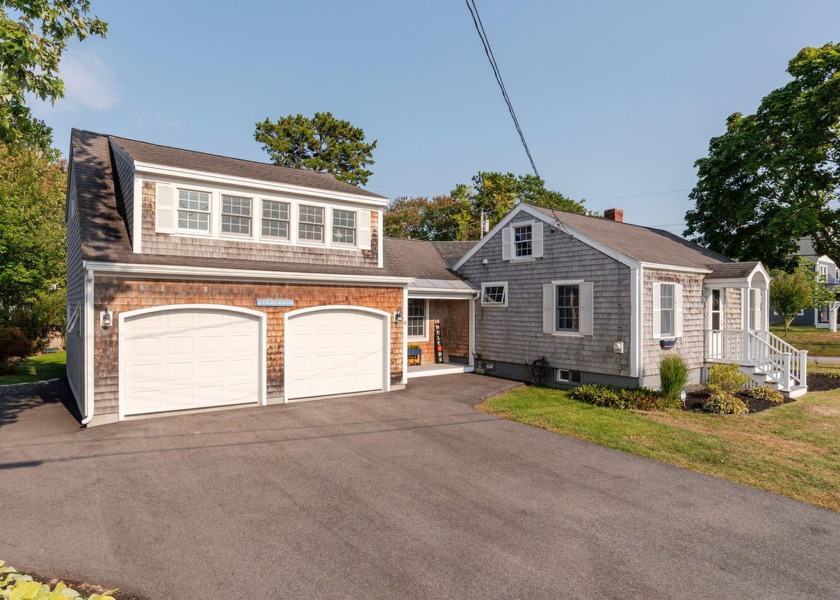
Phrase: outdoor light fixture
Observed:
(398, 316)
(106, 318)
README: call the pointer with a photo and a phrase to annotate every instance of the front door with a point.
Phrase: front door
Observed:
(716, 324)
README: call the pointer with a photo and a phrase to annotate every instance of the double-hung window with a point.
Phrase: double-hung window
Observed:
(523, 241)
(416, 320)
(193, 210)
(236, 215)
(667, 310)
(494, 293)
(311, 223)
(344, 227)
(275, 219)
(568, 308)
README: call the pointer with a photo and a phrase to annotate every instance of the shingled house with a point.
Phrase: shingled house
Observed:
(197, 281)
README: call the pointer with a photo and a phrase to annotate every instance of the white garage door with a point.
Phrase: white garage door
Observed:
(334, 351)
(189, 358)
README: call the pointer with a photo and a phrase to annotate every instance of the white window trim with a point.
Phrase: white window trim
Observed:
(276, 240)
(679, 311)
(327, 226)
(562, 379)
(513, 227)
(355, 243)
(565, 333)
(212, 222)
(227, 234)
(488, 284)
(425, 336)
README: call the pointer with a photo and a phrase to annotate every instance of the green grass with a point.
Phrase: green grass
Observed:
(38, 368)
(818, 342)
(793, 450)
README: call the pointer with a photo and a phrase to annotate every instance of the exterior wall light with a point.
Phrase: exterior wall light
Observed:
(398, 316)
(106, 318)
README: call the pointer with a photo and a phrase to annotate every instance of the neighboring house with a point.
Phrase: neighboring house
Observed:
(603, 301)
(197, 281)
(825, 316)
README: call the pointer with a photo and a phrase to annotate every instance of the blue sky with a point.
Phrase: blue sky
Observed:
(616, 99)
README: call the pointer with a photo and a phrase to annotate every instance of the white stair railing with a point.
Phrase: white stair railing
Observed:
(772, 356)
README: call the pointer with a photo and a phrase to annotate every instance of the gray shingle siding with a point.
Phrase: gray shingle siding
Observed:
(514, 334)
(75, 341)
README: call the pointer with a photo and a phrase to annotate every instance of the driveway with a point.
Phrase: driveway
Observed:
(411, 494)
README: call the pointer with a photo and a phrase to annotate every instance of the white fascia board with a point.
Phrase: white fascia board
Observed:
(137, 220)
(213, 273)
(499, 226)
(675, 268)
(442, 294)
(636, 320)
(90, 324)
(258, 184)
(726, 283)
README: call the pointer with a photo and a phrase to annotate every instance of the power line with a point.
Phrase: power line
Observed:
(479, 27)
(638, 195)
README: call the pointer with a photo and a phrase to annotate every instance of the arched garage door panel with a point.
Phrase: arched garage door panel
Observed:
(189, 358)
(334, 351)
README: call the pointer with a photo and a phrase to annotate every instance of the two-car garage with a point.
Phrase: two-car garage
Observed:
(182, 357)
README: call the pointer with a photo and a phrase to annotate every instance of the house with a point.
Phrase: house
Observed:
(825, 316)
(599, 300)
(199, 282)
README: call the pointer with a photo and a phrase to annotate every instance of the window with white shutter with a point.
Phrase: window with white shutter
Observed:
(568, 308)
(667, 310)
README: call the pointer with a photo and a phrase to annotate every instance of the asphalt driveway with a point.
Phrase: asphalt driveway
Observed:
(411, 494)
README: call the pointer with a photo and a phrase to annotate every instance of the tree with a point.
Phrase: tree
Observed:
(33, 36)
(322, 143)
(774, 177)
(32, 236)
(800, 290)
(458, 215)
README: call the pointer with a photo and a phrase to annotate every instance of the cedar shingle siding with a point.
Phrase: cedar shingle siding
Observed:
(514, 333)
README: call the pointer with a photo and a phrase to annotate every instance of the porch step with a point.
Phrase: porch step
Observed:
(796, 391)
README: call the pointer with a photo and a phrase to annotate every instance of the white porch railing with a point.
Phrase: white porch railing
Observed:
(772, 356)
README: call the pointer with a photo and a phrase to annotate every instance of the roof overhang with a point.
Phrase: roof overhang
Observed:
(675, 268)
(746, 281)
(145, 168)
(216, 274)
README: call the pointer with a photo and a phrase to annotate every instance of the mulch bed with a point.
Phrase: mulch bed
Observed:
(697, 395)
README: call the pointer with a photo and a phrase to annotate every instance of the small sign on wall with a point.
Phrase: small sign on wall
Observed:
(438, 345)
(275, 302)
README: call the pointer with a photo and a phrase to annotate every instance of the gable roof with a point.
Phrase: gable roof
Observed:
(453, 251)
(235, 167)
(419, 258)
(642, 244)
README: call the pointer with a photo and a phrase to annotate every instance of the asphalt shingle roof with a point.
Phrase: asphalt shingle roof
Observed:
(643, 244)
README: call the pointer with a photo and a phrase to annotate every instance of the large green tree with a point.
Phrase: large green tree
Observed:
(322, 143)
(32, 235)
(458, 215)
(774, 176)
(33, 36)
(800, 290)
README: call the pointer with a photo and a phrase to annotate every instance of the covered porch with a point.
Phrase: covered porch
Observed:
(737, 329)
(440, 328)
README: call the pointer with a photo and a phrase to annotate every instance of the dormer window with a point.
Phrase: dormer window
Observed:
(275, 219)
(311, 224)
(236, 215)
(344, 227)
(194, 210)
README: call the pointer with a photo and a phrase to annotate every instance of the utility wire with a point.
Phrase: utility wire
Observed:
(479, 27)
(637, 195)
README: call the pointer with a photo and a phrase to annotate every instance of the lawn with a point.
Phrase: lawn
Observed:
(818, 342)
(38, 368)
(793, 450)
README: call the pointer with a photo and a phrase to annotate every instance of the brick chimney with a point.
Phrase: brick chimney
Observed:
(614, 214)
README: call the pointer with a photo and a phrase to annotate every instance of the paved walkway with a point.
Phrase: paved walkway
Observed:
(411, 494)
(824, 360)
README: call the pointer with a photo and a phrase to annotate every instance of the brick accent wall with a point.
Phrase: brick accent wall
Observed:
(182, 245)
(454, 319)
(122, 295)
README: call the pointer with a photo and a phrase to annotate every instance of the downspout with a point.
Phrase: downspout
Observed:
(636, 321)
(90, 328)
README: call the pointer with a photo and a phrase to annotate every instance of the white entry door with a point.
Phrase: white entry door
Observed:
(335, 350)
(186, 358)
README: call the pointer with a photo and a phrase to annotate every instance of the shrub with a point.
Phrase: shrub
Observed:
(14, 347)
(726, 378)
(725, 403)
(641, 398)
(18, 585)
(673, 374)
(599, 395)
(766, 393)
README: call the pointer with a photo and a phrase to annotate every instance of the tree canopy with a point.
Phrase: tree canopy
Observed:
(33, 37)
(457, 216)
(774, 176)
(322, 143)
(32, 237)
(800, 290)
